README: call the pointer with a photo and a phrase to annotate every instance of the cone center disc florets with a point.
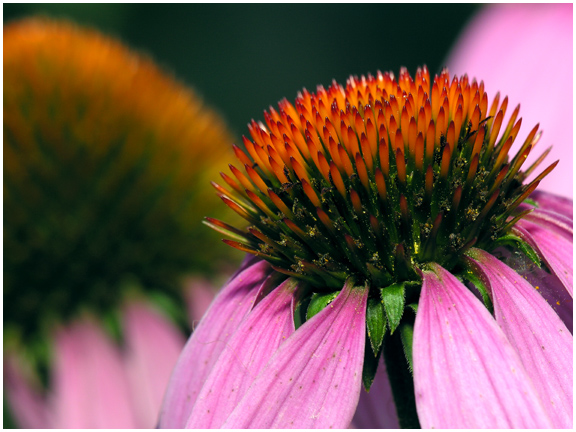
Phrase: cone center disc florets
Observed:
(377, 178)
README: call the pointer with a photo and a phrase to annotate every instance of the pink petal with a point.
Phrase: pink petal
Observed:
(554, 203)
(525, 52)
(153, 345)
(535, 331)
(466, 373)
(555, 249)
(244, 356)
(314, 379)
(27, 406)
(90, 389)
(554, 222)
(199, 294)
(376, 409)
(207, 342)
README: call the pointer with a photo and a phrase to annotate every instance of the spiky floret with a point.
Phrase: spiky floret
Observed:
(378, 178)
(105, 156)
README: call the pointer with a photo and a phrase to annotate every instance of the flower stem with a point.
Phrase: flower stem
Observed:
(401, 382)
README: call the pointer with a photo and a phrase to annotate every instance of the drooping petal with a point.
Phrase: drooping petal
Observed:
(153, 345)
(554, 222)
(523, 33)
(376, 409)
(466, 373)
(555, 249)
(90, 389)
(314, 379)
(27, 406)
(207, 341)
(535, 331)
(554, 203)
(244, 356)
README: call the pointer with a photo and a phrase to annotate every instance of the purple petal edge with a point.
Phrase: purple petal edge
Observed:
(535, 331)
(547, 284)
(376, 409)
(554, 249)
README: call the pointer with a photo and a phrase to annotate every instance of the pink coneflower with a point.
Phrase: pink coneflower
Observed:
(387, 220)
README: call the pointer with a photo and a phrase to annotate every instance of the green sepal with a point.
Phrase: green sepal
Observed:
(406, 336)
(517, 242)
(300, 310)
(482, 288)
(531, 202)
(370, 367)
(393, 301)
(414, 307)
(319, 302)
(375, 323)
(112, 322)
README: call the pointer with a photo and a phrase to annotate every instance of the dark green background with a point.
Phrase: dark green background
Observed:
(244, 58)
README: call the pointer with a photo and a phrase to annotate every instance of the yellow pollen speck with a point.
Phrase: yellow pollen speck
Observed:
(537, 287)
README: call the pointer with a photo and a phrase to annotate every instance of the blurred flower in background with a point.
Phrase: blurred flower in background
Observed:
(106, 162)
(526, 51)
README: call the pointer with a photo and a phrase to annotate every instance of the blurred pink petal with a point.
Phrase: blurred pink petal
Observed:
(466, 373)
(153, 345)
(208, 340)
(535, 331)
(28, 407)
(525, 52)
(376, 409)
(303, 384)
(199, 294)
(85, 358)
(244, 356)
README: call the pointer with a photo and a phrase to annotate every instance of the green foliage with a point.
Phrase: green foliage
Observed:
(319, 302)
(393, 299)
(375, 323)
(370, 367)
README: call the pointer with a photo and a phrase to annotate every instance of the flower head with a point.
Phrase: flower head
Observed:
(376, 213)
(378, 178)
(104, 155)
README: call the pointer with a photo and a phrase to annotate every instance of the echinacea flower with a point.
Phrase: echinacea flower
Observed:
(519, 48)
(387, 220)
(103, 155)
